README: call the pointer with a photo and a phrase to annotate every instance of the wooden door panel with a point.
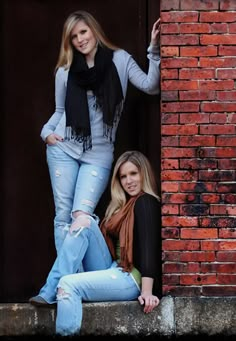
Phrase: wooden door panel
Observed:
(31, 34)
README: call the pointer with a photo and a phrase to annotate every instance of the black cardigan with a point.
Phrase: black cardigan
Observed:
(147, 239)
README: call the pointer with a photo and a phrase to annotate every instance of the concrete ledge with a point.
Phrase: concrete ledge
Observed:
(174, 317)
(205, 315)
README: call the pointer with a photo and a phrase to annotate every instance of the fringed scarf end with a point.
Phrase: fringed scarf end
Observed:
(71, 135)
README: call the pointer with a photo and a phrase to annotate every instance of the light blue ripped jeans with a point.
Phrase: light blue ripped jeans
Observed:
(102, 279)
(84, 249)
(111, 284)
(76, 186)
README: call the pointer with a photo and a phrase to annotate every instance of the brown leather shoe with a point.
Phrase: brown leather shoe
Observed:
(40, 302)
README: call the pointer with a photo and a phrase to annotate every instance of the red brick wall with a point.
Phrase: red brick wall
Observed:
(198, 136)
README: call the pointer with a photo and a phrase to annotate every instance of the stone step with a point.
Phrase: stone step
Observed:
(174, 317)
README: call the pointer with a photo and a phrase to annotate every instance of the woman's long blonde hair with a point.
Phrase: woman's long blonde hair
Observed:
(66, 49)
(118, 195)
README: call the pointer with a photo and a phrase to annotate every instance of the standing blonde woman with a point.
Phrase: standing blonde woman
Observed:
(120, 258)
(91, 81)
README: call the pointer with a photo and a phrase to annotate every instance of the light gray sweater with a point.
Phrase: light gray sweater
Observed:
(102, 151)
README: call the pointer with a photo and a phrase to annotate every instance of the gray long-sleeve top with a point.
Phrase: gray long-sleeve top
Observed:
(102, 151)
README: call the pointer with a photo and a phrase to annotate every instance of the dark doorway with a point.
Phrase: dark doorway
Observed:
(31, 34)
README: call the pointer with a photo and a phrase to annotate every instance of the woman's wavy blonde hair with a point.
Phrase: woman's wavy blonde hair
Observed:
(118, 195)
(66, 49)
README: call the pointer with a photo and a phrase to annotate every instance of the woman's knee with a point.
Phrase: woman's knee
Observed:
(68, 286)
(82, 220)
(63, 288)
(78, 213)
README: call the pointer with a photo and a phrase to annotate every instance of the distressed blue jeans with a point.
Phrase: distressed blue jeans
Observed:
(76, 186)
(101, 279)
(83, 250)
(111, 284)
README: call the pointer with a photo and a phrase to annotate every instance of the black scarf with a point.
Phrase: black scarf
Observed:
(104, 81)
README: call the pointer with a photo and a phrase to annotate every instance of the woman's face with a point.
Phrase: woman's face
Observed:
(130, 178)
(83, 39)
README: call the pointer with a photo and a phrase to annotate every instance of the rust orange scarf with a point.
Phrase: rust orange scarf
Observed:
(121, 225)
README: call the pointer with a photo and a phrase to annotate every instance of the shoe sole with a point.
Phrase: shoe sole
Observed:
(43, 305)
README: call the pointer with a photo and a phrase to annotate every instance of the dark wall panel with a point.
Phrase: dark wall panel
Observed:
(31, 34)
